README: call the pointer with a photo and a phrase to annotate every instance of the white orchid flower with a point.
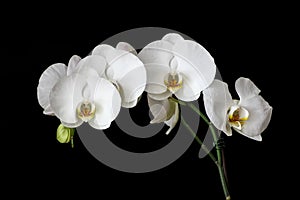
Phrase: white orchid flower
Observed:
(177, 66)
(124, 70)
(78, 94)
(49, 78)
(248, 116)
(166, 111)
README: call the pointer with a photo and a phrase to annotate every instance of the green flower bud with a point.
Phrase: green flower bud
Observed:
(64, 134)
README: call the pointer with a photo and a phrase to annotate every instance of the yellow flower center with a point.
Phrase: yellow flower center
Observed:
(86, 110)
(237, 116)
(173, 82)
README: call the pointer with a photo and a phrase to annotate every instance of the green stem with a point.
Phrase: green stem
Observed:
(212, 130)
(72, 142)
(194, 108)
(223, 182)
(198, 140)
(219, 151)
(219, 159)
(177, 101)
(72, 138)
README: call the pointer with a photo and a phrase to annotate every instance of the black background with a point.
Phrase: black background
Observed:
(250, 43)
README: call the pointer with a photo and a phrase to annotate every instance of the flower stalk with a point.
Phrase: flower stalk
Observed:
(219, 160)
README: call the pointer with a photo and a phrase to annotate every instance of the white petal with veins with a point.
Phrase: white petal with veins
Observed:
(159, 110)
(158, 52)
(131, 90)
(108, 104)
(130, 104)
(259, 115)
(246, 88)
(155, 78)
(130, 74)
(47, 81)
(172, 37)
(65, 97)
(196, 62)
(164, 111)
(92, 66)
(217, 101)
(125, 70)
(108, 52)
(74, 60)
(48, 111)
(72, 125)
(255, 137)
(103, 50)
(161, 96)
(174, 119)
(126, 47)
(125, 62)
(188, 91)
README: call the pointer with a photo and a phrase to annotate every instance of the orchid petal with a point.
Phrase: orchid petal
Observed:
(92, 66)
(72, 125)
(194, 61)
(130, 104)
(103, 50)
(161, 96)
(188, 91)
(126, 47)
(108, 52)
(255, 137)
(66, 96)
(160, 110)
(48, 111)
(259, 115)
(122, 64)
(74, 60)
(99, 126)
(184, 94)
(156, 57)
(243, 114)
(46, 82)
(192, 77)
(217, 101)
(108, 104)
(174, 119)
(125, 70)
(155, 78)
(246, 88)
(172, 37)
(157, 52)
(236, 125)
(130, 75)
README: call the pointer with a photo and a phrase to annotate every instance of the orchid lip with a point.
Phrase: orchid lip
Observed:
(237, 116)
(86, 110)
(173, 81)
